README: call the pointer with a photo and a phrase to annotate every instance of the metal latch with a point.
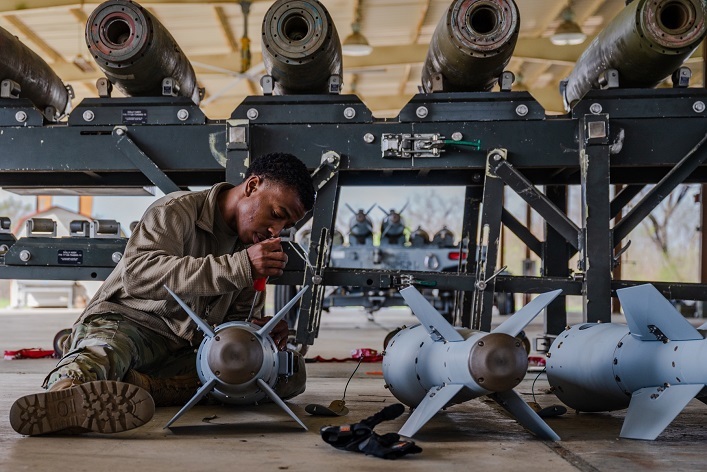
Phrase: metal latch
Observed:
(407, 146)
(406, 280)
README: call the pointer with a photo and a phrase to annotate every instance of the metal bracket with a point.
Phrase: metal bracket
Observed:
(10, 89)
(170, 87)
(330, 162)
(267, 84)
(505, 81)
(105, 87)
(238, 133)
(79, 229)
(596, 129)
(146, 165)
(609, 79)
(286, 364)
(5, 224)
(94, 229)
(437, 84)
(681, 77)
(659, 335)
(40, 227)
(335, 84)
(408, 146)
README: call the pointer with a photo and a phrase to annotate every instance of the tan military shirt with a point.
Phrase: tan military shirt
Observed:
(179, 244)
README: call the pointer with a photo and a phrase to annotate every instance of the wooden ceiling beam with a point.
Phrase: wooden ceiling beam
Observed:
(48, 51)
(80, 15)
(416, 35)
(13, 6)
(226, 28)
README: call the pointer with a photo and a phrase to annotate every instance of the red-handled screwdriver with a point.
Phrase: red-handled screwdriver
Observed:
(259, 286)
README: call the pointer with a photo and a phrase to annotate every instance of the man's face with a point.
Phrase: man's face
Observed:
(268, 208)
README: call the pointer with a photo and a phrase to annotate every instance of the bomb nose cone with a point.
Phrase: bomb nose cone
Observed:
(235, 356)
(498, 362)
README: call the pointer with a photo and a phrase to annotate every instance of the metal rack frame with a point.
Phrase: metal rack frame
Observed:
(631, 136)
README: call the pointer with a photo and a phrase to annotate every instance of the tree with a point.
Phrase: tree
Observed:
(671, 228)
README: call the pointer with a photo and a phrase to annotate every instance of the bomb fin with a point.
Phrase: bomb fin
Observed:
(435, 324)
(651, 317)
(436, 399)
(652, 409)
(516, 323)
(524, 415)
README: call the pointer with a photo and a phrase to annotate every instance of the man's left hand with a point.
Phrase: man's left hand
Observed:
(278, 334)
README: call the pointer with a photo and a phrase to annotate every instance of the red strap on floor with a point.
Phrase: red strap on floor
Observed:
(365, 354)
(31, 353)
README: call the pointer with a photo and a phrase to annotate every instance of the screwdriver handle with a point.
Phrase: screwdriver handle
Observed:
(259, 284)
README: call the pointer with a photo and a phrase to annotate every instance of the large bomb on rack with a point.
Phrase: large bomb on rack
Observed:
(645, 43)
(471, 46)
(433, 365)
(137, 53)
(26, 75)
(654, 365)
(301, 48)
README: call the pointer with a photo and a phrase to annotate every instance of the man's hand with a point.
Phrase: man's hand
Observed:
(267, 258)
(278, 334)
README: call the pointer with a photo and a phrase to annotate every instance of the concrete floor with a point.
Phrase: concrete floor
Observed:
(472, 435)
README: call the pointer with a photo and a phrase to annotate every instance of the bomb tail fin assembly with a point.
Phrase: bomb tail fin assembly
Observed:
(450, 367)
(651, 317)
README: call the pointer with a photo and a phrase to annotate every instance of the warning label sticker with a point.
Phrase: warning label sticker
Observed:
(70, 257)
(134, 117)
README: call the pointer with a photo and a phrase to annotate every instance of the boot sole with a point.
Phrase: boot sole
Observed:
(103, 406)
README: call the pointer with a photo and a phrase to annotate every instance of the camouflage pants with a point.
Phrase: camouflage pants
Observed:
(105, 346)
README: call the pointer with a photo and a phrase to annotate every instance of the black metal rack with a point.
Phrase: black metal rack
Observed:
(620, 136)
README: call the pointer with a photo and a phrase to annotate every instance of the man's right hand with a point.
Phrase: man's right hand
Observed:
(267, 258)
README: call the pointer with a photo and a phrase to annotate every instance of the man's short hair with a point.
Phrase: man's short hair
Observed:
(288, 170)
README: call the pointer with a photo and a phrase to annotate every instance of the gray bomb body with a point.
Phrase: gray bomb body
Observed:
(646, 42)
(38, 82)
(238, 362)
(615, 364)
(432, 365)
(654, 365)
(136, 52)
(235, 358)
(472, 44)
(414, 363)
(301, 48)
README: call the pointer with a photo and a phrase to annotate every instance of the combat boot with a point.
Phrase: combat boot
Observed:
(169, 391)
(71, 407)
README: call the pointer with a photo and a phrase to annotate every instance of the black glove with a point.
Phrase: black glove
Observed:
(388, 446)
(359, 437)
